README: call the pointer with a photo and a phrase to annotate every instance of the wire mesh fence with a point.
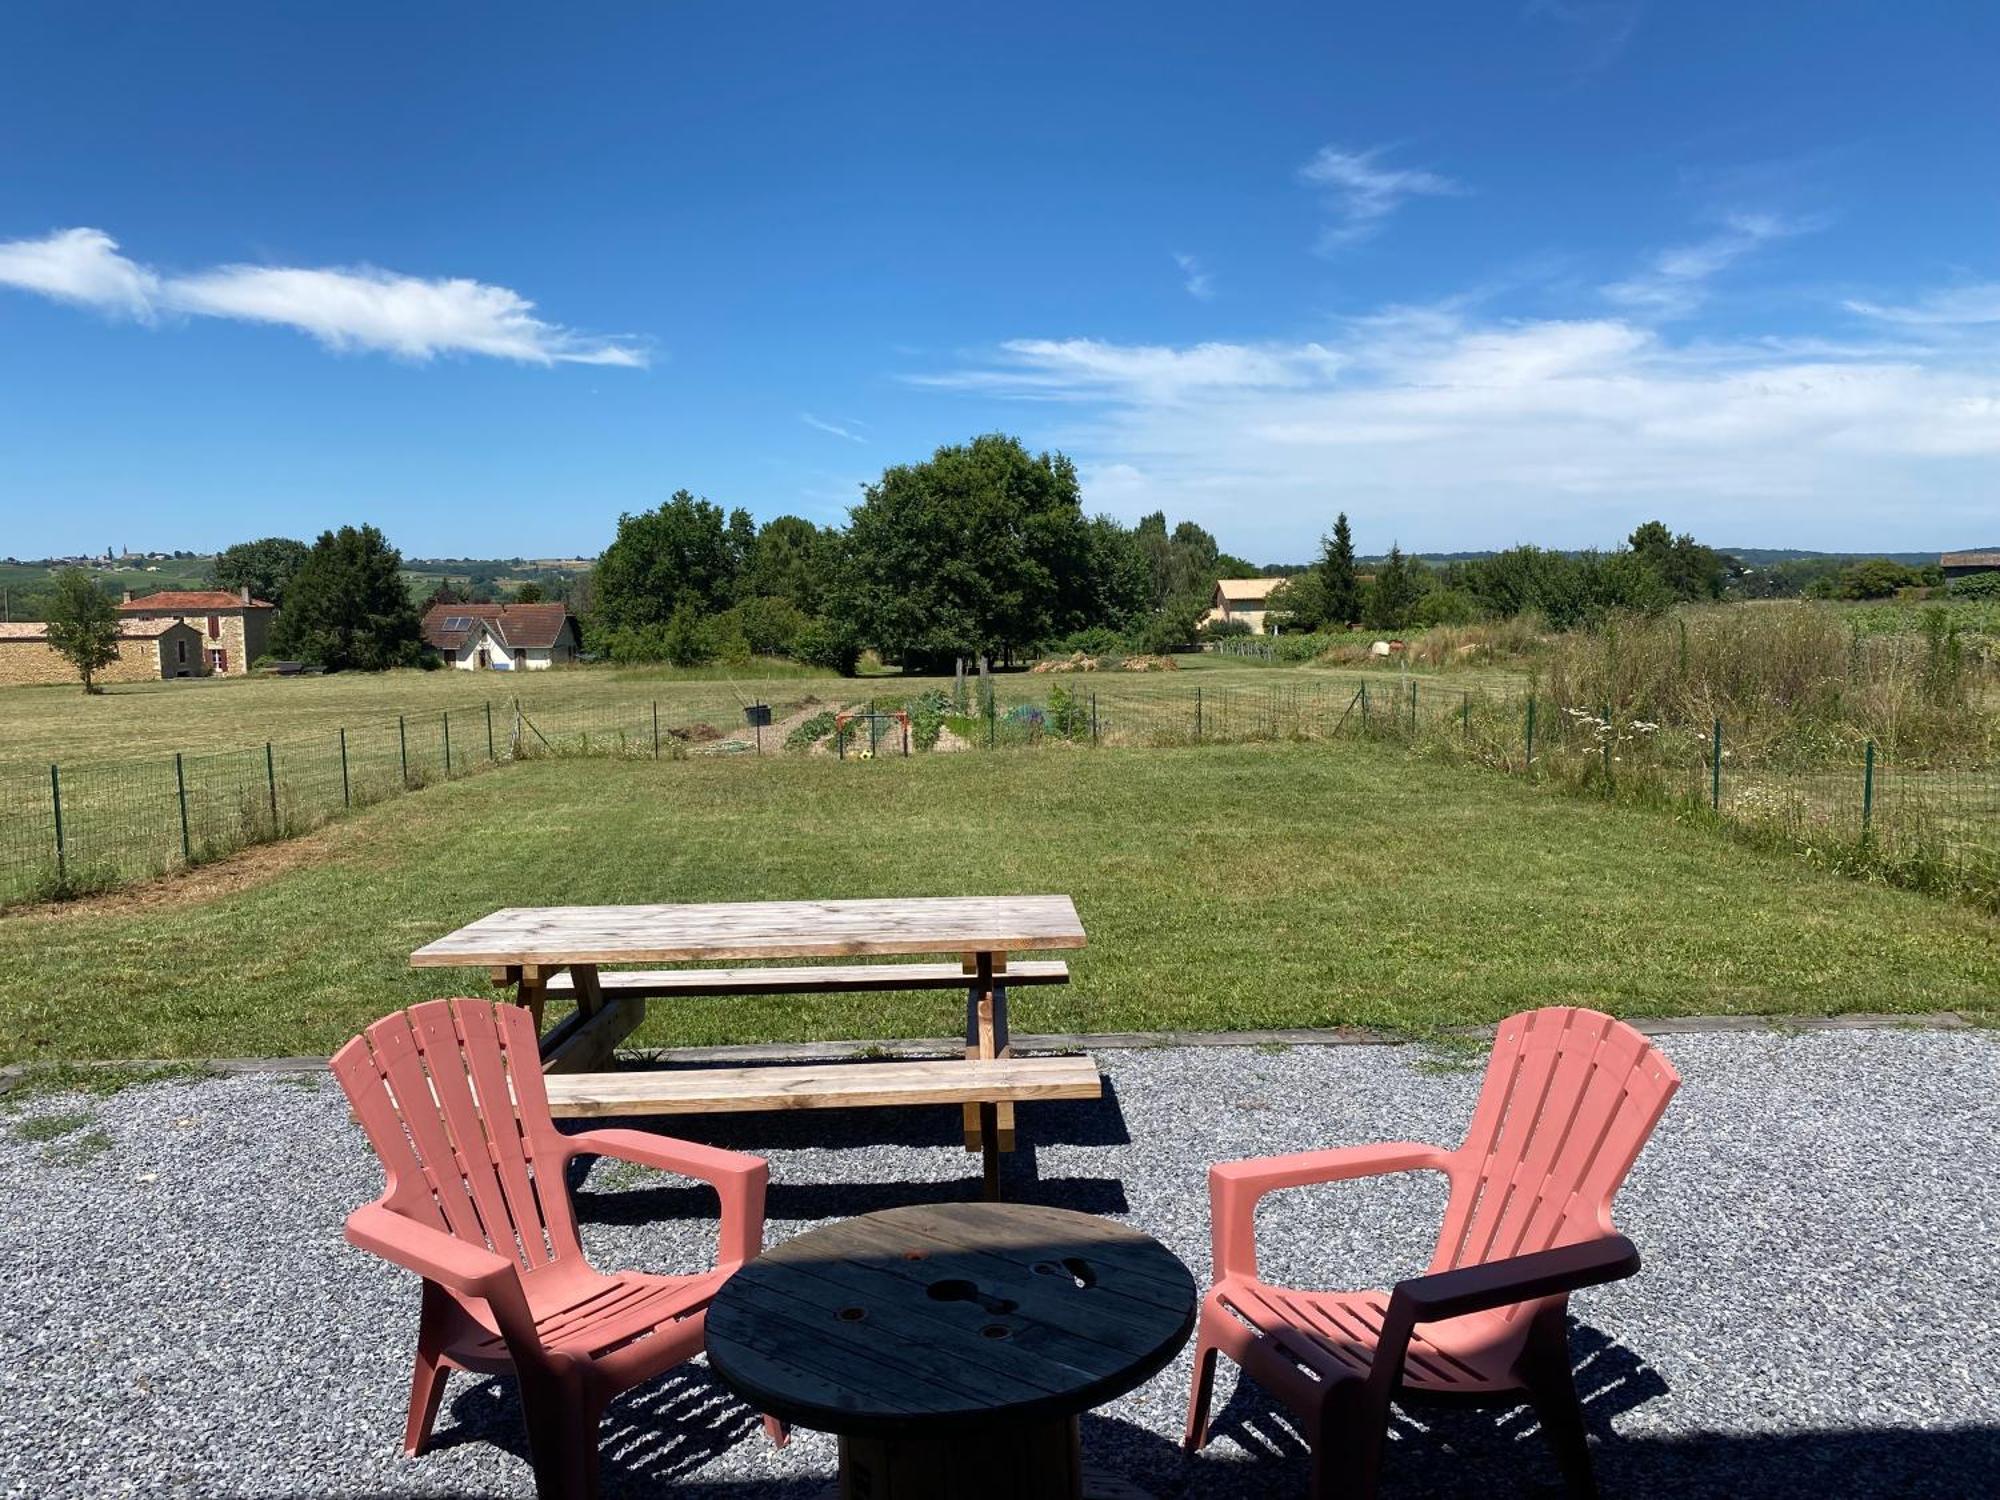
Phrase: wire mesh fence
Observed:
(89, 826)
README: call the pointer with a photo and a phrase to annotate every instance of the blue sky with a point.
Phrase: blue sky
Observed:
(488, 275)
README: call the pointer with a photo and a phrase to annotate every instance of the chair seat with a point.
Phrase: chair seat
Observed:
(596, 1318)
(1333, 1335)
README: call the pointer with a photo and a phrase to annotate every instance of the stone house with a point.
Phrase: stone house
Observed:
(1244, 599)
(235, 628)
(502, 637)
(147, 651)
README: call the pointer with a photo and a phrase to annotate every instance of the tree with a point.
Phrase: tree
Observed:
(791, 559)
(1392, 602)
(1688, 569)
(980, 550)
(1299, 603)
(683, 552)
(347, 608)
(1340, 587)
(529, 593)
(264, 567)
(83, 625)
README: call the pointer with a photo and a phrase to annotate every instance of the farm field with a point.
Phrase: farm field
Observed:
(131, 721)
(1234, 887)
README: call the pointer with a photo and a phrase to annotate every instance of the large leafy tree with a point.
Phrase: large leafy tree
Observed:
(791, 559)
(347, 608)
(264, 567)
(1392, 602)
(982, 549)
(1688, 569)
(685, 552)
(83, 625)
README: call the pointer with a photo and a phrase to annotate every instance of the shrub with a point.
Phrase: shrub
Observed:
(810, 732)
(688, 638)
(1977, 586)
(927, 715)
(822, 642)
(1446, 607)
(1220, 630)
(1068, 717)
(1098, 640)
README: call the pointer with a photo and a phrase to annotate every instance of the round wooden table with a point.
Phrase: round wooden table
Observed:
(952, 1348)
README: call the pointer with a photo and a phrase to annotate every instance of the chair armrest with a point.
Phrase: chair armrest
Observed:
(470, 1270)
(1518, 1278)
(739, 1179)
(1234, 1188)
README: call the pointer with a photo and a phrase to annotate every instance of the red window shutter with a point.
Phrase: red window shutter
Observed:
(214, 626)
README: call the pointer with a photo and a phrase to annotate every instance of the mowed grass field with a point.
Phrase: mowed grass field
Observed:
(1230, 887)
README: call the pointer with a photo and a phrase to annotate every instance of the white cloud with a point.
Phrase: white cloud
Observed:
(1956, 307)
(1449, 429)
(833, 427)
(1195, 278)
(1364, 194)
(358, 308)
(1675, 284)
(81, 266)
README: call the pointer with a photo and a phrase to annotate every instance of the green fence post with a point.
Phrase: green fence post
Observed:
(1093, 718)
(346, 790)
(1364, 708)
(447, 744)
(1715, 770)
(271, 781)
(1868, 789)
(1531, 732)
(403, 750)
(489, 730)
(1197, 715)
(181, 790)
(656, 729)
(55, 798)
(1604, 716)
(1413, 705)
(1465, 715)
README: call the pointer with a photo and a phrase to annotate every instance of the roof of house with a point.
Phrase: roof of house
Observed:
(1247, 590)
(519, 627)
(128, 630)
(203, 601)
(1970, 560)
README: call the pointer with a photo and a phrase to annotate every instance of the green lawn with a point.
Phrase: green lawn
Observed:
(1250, 886)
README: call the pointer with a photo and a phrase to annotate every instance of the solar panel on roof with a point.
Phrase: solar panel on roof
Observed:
(458, 622)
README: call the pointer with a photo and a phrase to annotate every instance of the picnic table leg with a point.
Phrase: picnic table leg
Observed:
(989, 1128)
(586, 1040)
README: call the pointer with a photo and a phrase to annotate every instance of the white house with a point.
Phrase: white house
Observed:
(501, 637)
(1246, 600)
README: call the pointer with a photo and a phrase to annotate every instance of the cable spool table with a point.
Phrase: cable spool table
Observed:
(953, 1347)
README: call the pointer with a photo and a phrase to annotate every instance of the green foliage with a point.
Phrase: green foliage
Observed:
(83, 625)
(1299, 603)
(1391, 601)
(684, 553)
(1944, 660)
(1340, 586)
(1095, 640)
(264, 567)
(1222, 630)
(1686, 569)
(792, 559)
(1445, 606)
(1168, 629)
(760, 626)
(810, 732)
(346, 608)
(1982, 586)
(1877, 578)
(829, 643)
(981, 549)
(688, 638)
(530, 593)
(927, 713)
(1069, 715)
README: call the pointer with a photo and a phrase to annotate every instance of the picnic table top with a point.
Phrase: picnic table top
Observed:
(758, 929)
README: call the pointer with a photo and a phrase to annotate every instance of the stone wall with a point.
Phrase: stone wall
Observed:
(37, 662)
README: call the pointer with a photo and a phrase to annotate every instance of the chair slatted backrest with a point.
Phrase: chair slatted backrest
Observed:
(1569, 1099)
(450, 1095)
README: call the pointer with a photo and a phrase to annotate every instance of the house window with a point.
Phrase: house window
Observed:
(180, 651)
(218, 661)
(214, 626)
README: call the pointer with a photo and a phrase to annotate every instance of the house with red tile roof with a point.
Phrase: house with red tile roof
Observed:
(147, 650)
(502, 637)
(235, 628)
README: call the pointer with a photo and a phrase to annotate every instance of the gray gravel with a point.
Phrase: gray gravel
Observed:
(1820, 1214)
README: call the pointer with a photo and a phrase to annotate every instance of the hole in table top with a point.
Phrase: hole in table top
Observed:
(916, 1254)
(1080, 1272)
(993, 1331)
(851, 1314)
(956, 1289)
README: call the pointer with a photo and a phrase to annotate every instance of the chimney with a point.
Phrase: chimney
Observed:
(128, 597)
(245, 593)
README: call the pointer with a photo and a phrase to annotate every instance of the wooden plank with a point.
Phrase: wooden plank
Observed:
(836, 979)
(758, 929)
(586, 1039)
(851, 1085)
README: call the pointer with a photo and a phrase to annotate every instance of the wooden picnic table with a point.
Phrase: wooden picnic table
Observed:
(953, 1347)
(564, 952)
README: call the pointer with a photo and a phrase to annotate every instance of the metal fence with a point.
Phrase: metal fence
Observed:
(82, 827)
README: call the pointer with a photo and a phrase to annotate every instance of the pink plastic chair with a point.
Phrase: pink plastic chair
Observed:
(1569, 1099)
(450, 1094)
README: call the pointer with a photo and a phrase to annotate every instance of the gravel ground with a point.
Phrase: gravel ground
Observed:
(1819, 1214)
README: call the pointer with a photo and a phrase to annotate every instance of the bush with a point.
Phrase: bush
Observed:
(927, 714)
(1446, 607)
(1164, 631)
(822, 642)
(763, 626)
(1098, 640)
(1222, 630)
(1977, 586)
(811, 731)
(688, 638)
(1068, 716)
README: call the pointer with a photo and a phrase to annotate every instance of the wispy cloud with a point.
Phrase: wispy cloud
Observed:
(1196, 279)
(346, 308)
(833, 427)
(1364, 193)
(1955, 307)
(1439, 422)
(1675, 283)
(1599, 29)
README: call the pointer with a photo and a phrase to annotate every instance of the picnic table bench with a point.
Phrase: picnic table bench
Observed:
(560, 953)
